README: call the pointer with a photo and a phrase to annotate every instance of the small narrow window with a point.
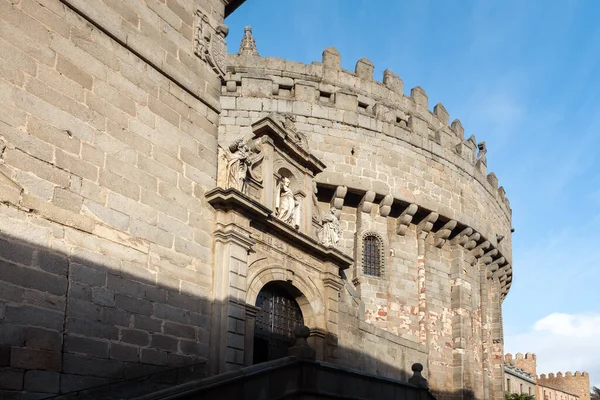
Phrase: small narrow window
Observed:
(372, 255)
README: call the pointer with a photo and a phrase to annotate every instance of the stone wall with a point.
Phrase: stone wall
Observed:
(107, 145)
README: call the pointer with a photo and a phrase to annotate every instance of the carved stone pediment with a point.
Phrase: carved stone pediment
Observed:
(270, 179)
(288, 141)
(261, 216)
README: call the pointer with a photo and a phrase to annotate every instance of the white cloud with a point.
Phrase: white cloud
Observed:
(572, 325)
(562, 342)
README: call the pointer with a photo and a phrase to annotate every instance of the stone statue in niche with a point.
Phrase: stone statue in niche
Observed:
(241, 160)
(331, 229)
(286, 205)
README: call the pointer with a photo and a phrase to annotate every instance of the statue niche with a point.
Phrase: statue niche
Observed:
(287, 206)
(330, 234)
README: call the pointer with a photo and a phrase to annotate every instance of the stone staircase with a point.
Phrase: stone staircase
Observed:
(294, 378)
(297, 377)
(139, 386)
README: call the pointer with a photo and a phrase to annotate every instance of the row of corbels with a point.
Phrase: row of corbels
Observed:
(480, 250)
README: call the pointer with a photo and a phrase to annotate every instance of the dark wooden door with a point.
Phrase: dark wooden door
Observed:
(275, 323)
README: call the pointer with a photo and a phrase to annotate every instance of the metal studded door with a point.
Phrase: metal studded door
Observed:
(275, 323)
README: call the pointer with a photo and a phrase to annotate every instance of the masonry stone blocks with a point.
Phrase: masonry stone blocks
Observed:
(151, 186)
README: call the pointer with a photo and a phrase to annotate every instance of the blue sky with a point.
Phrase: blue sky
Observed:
(525, 77)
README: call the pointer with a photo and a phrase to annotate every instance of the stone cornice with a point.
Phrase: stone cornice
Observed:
(233, 200)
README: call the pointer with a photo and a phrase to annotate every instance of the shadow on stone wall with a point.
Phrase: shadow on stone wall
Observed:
(69, 322)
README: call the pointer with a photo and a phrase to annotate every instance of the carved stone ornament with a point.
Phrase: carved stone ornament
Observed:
(242, 159)
(331, 229)
(248, 45)
(209, 43)
(287, 122)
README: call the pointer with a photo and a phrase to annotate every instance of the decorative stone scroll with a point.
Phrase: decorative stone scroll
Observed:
(385, 206)
(287, 122)
(405, 219)
(209, 43)
(426, 224)
(444, 233)
(462, 237)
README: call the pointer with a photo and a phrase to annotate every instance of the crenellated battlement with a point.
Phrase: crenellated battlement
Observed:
(559, 375)
(327, 91)
(577, 383)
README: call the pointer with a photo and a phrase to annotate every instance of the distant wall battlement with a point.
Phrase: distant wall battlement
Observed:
(560, 375)
(358, 100)
(508, 357)
(577, 383)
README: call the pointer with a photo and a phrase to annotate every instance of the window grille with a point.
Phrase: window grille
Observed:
(372, 255)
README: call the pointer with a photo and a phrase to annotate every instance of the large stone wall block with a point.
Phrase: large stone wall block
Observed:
(257, 86)
(346, 100)
(305, 91)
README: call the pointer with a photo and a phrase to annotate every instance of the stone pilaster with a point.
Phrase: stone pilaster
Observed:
(485, 330)
(251, 312)
(497, 348)
(228, 333)
(423, 230)
(462, 368)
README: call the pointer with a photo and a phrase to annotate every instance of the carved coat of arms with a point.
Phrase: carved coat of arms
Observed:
(209, 43)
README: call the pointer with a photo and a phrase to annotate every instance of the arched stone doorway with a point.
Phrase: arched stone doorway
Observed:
(276, 320)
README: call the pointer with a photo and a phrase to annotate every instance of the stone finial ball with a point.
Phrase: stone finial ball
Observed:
(302, 331)
(416, 367)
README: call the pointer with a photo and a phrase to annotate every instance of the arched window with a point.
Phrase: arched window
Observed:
(372, 255)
